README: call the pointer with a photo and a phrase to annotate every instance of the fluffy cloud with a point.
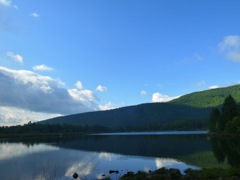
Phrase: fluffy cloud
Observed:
(35, 15)
(214, 87)
(223, 85)
(5, 2)
(230, 47)
(231, 41)
(12, 116)
(42, 67)
(157, 97)
(85, 96)
(9, 118)
(30, 91)
(101, 88)
(79, 85)
(108, 106)
(143, 93)
(15, 57)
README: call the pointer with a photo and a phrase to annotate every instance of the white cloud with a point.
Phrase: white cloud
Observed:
(5, 2)
(85, 96)
(8, 3)
(101, 88)
(79, 85)
(108, 106)
(143, 93)
(231, 41)
(12, 116)
(42, 67)
(15, 57)
(157, 97)
(223, 85)
(35, 15)
(30, 91)
(230, 47)
(214, 87)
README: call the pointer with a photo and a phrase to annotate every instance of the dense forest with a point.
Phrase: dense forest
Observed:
(189, 112)
(227, 119)
(209, 98)
(34, 129)
(151, 116)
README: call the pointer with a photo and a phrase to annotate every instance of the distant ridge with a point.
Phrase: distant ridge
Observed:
(188, 112)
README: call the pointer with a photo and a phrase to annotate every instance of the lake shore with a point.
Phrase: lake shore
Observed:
(168, 174)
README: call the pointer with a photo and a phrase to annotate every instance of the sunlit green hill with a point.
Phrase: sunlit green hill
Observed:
(209, 98)
(189, 112)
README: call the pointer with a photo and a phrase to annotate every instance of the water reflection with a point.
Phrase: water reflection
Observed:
(93, 156)
(59, 163)
(226, 149)
(153, 146)
(19, 149)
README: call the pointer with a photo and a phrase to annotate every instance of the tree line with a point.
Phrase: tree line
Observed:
(225, 120)
(36, 129)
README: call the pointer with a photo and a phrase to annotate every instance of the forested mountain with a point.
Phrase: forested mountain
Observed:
(187, 112)
(209, 98)
(144, 116)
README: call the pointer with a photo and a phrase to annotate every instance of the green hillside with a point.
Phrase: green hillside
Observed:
(152, 115)
(209, 98)
(185, 113)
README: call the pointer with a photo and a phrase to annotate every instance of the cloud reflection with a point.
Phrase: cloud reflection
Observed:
(45, 161)
(84, 166)
(13, 150)
(165, 162)
(106, 156)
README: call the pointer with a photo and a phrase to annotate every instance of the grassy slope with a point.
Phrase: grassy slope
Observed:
(209, 98)
(194, 106)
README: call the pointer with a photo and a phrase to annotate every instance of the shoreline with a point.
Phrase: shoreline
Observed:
(172, 173)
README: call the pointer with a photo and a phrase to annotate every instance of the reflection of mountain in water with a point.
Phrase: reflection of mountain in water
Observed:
(154, 146)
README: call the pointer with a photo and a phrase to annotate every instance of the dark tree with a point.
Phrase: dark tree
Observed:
(233, 126)
(229, 110)
(214, 120)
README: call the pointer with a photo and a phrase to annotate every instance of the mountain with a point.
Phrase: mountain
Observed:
(150, 114)
(190, 111)
(209, 98)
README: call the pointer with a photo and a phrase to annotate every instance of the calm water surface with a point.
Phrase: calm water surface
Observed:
(92, 156)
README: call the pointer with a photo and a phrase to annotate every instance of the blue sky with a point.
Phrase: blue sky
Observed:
(64, 57)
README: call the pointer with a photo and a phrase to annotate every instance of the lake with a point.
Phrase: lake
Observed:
(93, 156)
